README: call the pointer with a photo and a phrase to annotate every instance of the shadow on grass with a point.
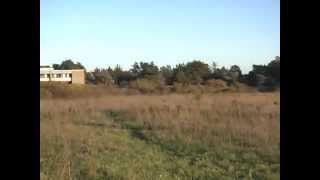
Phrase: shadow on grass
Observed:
(91, 124)
(243, 164)
(175, 146)
(133, 128)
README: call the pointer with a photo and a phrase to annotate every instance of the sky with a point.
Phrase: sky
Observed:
(103, 33)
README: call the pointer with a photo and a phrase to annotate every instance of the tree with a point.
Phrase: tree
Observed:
(56, 66)
(193, 72)
(220, 73)
(197, 69)
(214, 67)
(116, 73)
(228, 75)
(90, 78)
(235, 68)
(264, 77)
(181, 77)
(235, 72)
(274, 69)
(68, 64)
(257, 75)
(167, 74)
(119, 76)
(136, 68)
(124, 77)
(102, 76)
(145, 70)
(260, 69)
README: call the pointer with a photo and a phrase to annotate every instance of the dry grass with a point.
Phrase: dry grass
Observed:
(139, 87)
(79, 137)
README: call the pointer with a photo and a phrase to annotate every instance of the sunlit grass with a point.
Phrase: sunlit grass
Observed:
(222, 136)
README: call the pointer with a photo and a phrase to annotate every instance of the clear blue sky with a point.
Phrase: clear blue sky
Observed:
(101, 33)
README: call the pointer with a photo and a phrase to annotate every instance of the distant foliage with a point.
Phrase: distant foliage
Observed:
(194, 72)
(263, 77)
(145, 70)
(166, 75)
(102, 76)
(68, 64)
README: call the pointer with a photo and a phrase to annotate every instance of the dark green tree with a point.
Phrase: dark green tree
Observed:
(235, 72)
(102, 76)
(56, 66)
(167, 74)
(193, 72)
(197, 69)
(145, 70)
(214, 67)
(181, 78)
(68, 64)
(274, 69)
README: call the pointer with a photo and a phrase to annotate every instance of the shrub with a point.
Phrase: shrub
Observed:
(216, 83)
(144, 85)
(57, 90)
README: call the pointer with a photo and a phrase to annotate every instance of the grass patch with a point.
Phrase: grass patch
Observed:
(160, 137)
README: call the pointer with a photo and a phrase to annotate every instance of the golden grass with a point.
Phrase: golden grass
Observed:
(243, 121)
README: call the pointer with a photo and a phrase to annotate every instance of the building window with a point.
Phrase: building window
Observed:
(70, 75)
(58, 75)
(66, 75)
(42, 76)
(48, 75)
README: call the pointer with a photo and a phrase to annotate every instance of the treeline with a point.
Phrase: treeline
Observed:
(147, 75)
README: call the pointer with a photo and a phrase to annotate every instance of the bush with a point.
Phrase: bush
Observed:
(188, 89)
(178, 88)
(57, 90)
(216, 83)
(144, 85)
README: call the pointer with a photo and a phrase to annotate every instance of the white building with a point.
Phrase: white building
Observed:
(74, 76)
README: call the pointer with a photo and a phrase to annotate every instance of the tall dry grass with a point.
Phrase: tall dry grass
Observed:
(139, 87)
(239, 121)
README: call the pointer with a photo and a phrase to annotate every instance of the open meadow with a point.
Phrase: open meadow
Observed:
(171, 136)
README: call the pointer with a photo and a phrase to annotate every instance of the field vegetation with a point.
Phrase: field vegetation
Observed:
(229, 135)
(193, 121)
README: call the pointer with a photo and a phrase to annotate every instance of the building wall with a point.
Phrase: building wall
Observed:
(78, 77)
(55, 75)
(63, 77)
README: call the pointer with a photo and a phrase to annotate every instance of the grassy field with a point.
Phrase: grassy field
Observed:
(136, 137)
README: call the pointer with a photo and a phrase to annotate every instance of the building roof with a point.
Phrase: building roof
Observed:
(46, 69)
(51, 70)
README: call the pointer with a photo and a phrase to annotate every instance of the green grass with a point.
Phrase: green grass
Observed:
(113, 145)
